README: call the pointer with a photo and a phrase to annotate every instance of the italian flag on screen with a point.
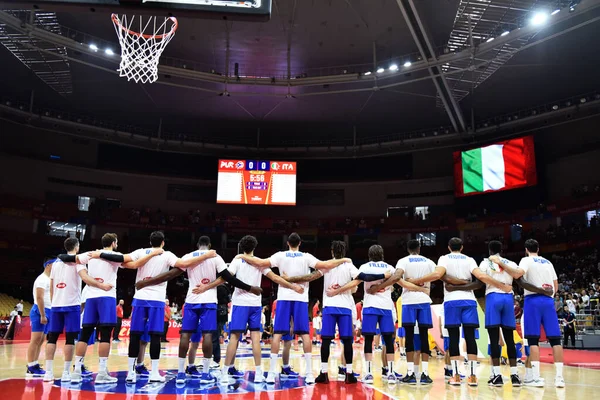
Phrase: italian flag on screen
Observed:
(500, 166)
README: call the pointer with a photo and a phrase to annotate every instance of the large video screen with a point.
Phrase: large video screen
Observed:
(257, 182)
(501, 166)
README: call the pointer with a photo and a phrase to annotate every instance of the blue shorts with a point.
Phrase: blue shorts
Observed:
(148, 316)
(202, 317)
(196, 336)
(401, 332)
(446, 343)
(245, 318)
(287, 311)
(539, 310)
(417, 340)
(100, 311)
(66, 318)
(35, 317)
(373, 316)
(420, 313)
(526, 351)
(461, 312)
(146, 335)
(342, 317)
(288, 336)
(500, 310)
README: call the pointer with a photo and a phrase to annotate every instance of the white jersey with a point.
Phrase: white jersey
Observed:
(415, 266)
(293, 263)
(458, 266)
(250, 275)
(104, 272)
(67, 284)
(538, 272)
(155, 266)
(20, 307)
(336, 278)
(42, 282)
(443, 321)
(498, 273)
(381, 299)
(203, 273)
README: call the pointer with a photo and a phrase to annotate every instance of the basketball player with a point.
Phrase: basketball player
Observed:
(200, 303)
(460, 306)
(246, 310)
(291, 305)
(40, 314)
(65, 295)
(148, 303)
(539, 309)
(416, 308)
(101, 306)
(85, 373)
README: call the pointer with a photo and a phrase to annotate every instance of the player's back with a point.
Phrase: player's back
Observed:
(383, 298)
(415, 266)
(539, 272)
(104, 272)
(202, 274)
(458, 266)
(495, 271)
(43, 282)
(67, 284)
(293, 263)
(335, 278)
(155, 266)
(250, 275)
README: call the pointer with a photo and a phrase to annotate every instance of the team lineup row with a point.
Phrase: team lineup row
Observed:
(206, 270)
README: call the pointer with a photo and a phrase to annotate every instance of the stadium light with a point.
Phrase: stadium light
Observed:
(555, 11)
(380, 70)
(93, 47)
(393, 67)
(505, 33)
(109, 52)
(407, 64)
(539, 18)
(489, 40)
(367, 73)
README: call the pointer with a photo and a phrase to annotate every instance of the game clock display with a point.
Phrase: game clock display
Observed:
(256, 182)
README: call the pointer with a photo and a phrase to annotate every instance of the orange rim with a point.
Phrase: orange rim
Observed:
(117, 21)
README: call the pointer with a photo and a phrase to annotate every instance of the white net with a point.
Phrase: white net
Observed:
(141, 49)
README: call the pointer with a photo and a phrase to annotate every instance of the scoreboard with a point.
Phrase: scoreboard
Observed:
(256, 182)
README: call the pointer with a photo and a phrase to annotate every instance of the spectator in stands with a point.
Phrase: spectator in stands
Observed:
(19, 307)
(568, 322)
(518, 310)
(571, 303)
(117, 329)
(585, 300)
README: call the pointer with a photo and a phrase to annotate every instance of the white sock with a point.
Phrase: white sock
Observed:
(416, 370)
(348, 368)
(514, 371)
(78, 364)
(273, 367)
(308, 359)
(425, 365)
(449, 367)
(181, 365)
(259, 371)
(68, 366)
(455, 370)
(495, 370)
(49, 365)
(369, 363)
(32, 364)
(131, 362)
(535, 366)
(391, 367)
(139, 364)
(103, 362)
(155, 367)
(206, 364)
(473, 367)
(528, 374)
(285, 366)
(410, 368)
(324, 367)
(402, 350)
(559, 369)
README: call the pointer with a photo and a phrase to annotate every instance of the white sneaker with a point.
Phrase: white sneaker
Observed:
(535, 383)
(49, 376)
(226, 380)
(559, 382)
(259, 378)
(131, 377)
(310, 379)
(271, 378)
(156, 377)
(391, 379)
(66, 377)
(104, 378)
(214, 365)
(76, 377)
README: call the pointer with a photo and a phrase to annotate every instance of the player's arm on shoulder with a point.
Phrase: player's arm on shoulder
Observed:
(532, 288)
(313, 276)
(190, 262)
(473, 285)
(225, 274)
(285, 283)
(348, 286)
(331, 264)
(510, 268)
(201, 288)
(438, 273)
(164, 277)
(412, 287)
(389, 280)
(133, 263)
(255, 261)
(485, 278)
(92, 282)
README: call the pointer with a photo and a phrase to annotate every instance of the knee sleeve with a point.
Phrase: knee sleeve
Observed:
(533, 341)
(105, 333)
(326, 350)
(454, 334)
(494, 334)
(86, 333)
(410, 339)
(554, 342)
(368, 344)
(134, 345)
(348, 351)
(154, 347)
(389, 343)
(470, 339)
(70, 337)
(509, 339)
(53, 337)
(424, 336)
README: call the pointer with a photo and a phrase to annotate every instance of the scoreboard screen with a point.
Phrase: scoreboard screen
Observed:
(256, 182)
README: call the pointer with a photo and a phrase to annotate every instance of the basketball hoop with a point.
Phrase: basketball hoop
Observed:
(141, 50)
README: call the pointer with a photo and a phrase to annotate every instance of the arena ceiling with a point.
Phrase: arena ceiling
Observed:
(332, 44)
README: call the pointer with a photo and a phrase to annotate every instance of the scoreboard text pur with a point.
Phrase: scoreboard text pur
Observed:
(256, 182)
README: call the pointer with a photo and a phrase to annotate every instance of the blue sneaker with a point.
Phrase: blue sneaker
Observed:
(368, 378)
(85, 373)
(35, 372)
(192, 372)
(289, 373)
(234, 372)
(207, 378)
(142, 370)
(180, 379)
(410, 379)
(398, 376)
